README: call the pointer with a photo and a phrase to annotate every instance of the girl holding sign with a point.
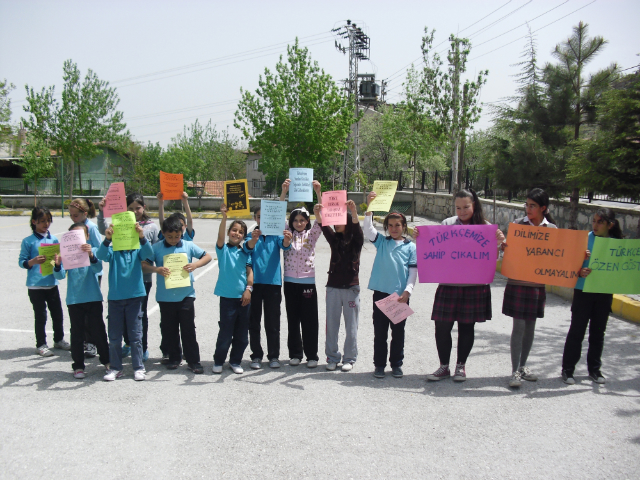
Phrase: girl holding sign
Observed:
(466, 304)
(395, 270)
(525, 301)
(43, 290)
(300, 293)
(84, 302)
(591, 309)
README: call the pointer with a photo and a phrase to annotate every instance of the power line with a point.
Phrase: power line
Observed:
(499, 20)
(180, 110)
(173, 130)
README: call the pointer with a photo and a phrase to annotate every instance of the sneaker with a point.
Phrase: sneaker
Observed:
(112, 375)
(90, 350)
(597, 377)
(62, 345)
(526, 374)
(347, 367)
(379, 372)
(217, 369)
(165, 359)
(79, 374)
(460, 375)
(145, 356)
(331, 366)
(256, 363)
(294, 362)
(568, 378)
(43, 351)
(439, 374)
(126, 350)
(516, 379)
(274, 363)
(312, 363)
(173, 365)
(139, 375)
(237, 369)
(397, 372)
(195, 368)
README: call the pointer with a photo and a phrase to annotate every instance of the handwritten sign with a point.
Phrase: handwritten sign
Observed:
(301, 188)
(457, 253)
(396, 311)
(236, 197)
(544, 255)
(334, 208)
(615, 266)
(49, 250)
(272, 217)
(385, 191)
(125, 236)
(171, 185)
(72, 255)
(116, 199)
(178, 277)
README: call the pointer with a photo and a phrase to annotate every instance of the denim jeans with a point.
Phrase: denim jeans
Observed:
(145, 320)
(125, 314)
(234, 331)
(41, 298)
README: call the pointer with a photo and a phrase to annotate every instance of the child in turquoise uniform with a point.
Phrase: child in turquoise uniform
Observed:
(84, 302)
(43, 291)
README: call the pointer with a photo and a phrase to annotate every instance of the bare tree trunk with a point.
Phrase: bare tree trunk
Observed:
(638, 230)
(71, 178)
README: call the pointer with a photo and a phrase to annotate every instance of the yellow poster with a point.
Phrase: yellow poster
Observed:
(236, 197)
(178, 277)
(385, 191)
(49, 250)
(124, 236)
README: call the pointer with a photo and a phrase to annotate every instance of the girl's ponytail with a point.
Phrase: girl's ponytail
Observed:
(91, 212)
(84, 205)
(609, 216)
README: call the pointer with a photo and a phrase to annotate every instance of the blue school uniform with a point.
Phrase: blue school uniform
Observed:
(29, 250)
(82, 283)
(125, 271)
(95, 239)
(585, 264)
(185, 236)
(391, 265)
(265, 258)
(232, 263)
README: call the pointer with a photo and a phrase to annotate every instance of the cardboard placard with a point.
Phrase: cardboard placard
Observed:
(385, 191)
(236, 197)
(301, 187)
(72, 255)
(124, 236)
(273, 215)
(334, 208)
(615, 267)
(171, 185)
(115, 201)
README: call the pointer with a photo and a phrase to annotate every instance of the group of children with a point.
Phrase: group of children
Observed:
(250, 282)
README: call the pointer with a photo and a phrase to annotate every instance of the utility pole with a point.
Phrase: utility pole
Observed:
(358, 50)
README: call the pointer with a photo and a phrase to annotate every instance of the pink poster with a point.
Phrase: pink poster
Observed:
(334, 208)
(396, 311)
(72, 255)
(457, 253)
(115, 200)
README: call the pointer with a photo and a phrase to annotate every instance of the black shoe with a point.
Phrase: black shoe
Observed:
(597, 377)
(165, 359)
(173, 365)
(568, 378)
(397, 372)
(379, 372)
(196, 368)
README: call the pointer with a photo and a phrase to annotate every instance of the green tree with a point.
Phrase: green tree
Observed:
(5, 110)
(297, 117)
(86, 118)
(36, 162)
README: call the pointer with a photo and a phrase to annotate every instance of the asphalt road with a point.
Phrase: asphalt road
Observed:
(296, 422)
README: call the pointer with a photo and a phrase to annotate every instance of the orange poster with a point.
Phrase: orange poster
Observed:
(171, 185)
(544, 255)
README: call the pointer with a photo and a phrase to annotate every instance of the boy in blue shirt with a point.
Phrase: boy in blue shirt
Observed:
(126, 293)
(177, 311)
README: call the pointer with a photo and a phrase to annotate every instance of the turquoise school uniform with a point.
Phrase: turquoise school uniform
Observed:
(233, 263)
(82, 283)
(29, 250)
(391, 265)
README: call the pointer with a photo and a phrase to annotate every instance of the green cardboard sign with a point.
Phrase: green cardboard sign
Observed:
(615, 266)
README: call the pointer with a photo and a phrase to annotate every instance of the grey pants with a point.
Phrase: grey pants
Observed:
(342, 301)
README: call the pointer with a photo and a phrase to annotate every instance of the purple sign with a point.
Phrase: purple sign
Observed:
(457, 253)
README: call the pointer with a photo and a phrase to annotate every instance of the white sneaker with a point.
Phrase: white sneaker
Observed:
(237, 369)
(43, 351)
(527, 375)
(312, 363)
(256, 363)
(516, 379)
(62, 345)
(217, 369)
(347, 367)
(294, 362)
(331, 366)
(140, 375)
(78, 374)
(112, 375)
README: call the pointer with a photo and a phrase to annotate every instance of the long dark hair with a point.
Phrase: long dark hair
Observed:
(608, 216)
(398, 215)
(478, 216)
(541, 198)
(137, 197)
(295, 213)
(37, 213)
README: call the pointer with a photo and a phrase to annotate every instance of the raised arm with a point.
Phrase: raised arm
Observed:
(285, 189)
(318, 189)
(369, 230)
(187, 209)
(160, 198)
(223, 226)
(101, 220)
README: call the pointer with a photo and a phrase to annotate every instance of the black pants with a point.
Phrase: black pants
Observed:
(178, 319)
(443, 341)
(86, 320)
(87, 335)
(591, 309)
(381, 324)
(42, 298)
(301, 301)
(271, 297)
(145, 320)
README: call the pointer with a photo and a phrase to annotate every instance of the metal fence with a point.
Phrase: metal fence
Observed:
(52, 186)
